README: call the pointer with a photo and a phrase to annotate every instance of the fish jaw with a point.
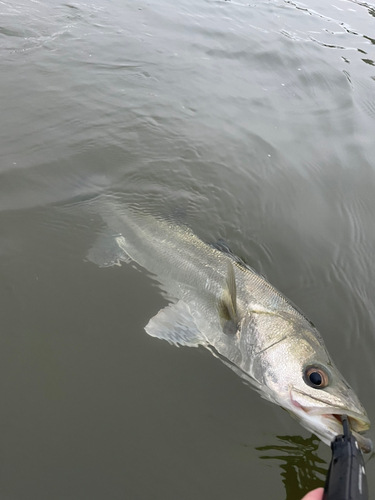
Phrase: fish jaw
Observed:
(326, 422)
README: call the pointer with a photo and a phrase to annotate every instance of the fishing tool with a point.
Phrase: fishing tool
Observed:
(346, 478)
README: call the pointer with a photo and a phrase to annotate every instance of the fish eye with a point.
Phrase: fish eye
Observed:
(316, 377)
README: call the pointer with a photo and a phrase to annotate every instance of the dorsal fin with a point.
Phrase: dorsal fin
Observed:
(227, 305)
(223, 247)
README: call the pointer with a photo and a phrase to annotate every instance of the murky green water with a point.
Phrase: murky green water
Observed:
(257, 121)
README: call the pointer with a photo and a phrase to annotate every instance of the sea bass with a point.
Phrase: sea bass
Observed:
(218, 301)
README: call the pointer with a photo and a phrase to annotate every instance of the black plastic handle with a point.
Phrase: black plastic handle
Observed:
(346, 478)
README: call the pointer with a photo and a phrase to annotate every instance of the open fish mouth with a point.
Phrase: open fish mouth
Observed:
(357, 425)
(326, 421)
(331, 421)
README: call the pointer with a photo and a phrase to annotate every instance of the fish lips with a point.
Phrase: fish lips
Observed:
(327, 423)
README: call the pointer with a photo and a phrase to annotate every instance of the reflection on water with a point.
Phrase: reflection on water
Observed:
(302, 469)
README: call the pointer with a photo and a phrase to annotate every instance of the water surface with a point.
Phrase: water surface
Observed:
(253, 120)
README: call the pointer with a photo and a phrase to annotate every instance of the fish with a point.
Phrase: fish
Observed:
(217, 301)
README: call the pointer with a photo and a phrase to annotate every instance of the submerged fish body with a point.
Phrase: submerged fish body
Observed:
(219, 302)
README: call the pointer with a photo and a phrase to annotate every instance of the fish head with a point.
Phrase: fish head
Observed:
(301, 377)
(321, 396)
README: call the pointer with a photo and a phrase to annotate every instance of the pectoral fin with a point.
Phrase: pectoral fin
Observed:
(109, 250)
(175, 324)
(227, 305)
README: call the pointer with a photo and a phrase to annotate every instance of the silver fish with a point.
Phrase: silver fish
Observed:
(218, 301)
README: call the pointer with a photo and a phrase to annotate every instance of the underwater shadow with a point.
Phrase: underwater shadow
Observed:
(302, 469)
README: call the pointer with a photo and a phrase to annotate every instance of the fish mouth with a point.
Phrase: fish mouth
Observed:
(327, 424)
(358, 424)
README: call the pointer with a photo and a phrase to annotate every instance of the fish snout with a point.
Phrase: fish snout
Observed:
(358, 424)
(326, 421)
